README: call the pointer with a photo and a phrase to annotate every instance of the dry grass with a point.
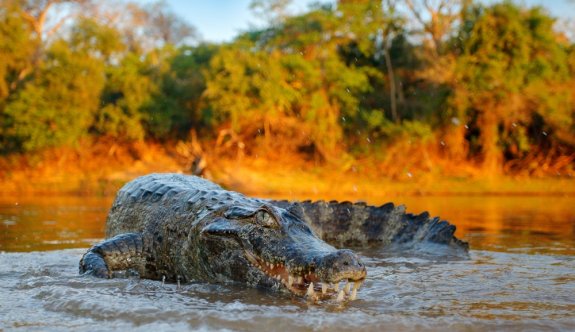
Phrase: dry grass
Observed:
(102, 167)
(91, 168)
(329, 183)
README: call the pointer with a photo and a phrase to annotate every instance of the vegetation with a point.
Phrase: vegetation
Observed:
(459, 88)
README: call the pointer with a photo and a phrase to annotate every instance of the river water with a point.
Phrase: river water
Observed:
(520, 276)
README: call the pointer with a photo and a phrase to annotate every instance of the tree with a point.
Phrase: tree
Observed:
(175, 104)
(127, 90)
(17, 49)
(57, 106)
(437, 20)
(291, 80)
(165, 26)
(374, 25)
(511, 64)
(144, 28)
(40, 16)
(274, 11)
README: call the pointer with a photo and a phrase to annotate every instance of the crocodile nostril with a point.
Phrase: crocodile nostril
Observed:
(346, 263)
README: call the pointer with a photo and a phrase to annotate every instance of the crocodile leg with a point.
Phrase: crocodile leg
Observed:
(121, 252)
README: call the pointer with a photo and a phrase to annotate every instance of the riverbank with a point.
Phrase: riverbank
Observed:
(328, 184)
(101, 168)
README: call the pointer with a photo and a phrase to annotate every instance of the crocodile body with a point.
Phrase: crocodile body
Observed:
(178, 227)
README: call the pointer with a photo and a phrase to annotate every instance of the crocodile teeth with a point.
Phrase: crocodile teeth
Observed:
(353, 294)
(346, 287)
(336, 287)
(290, 280)
(340, 296)
(310, 292)
(323, 288)
(357, 284)
(271, 265)
(299, 280)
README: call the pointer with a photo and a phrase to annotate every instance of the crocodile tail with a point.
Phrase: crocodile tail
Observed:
(348, 223)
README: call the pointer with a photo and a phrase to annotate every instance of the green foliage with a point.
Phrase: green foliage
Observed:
(379, 126)
(320, 81)
(290, 72)
(127, 90)
(58, 105)
(513, 69)
(175, 104)
(17, 48)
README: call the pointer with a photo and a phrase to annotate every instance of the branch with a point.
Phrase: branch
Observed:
(57, 26)
(415, 12)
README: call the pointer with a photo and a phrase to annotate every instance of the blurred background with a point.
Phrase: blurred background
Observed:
(280, 97)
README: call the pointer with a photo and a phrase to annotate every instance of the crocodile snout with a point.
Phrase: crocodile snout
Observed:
(341, 264)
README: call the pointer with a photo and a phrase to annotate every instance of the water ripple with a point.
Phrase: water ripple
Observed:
(42, 291)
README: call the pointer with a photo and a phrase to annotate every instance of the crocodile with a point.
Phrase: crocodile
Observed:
(181, 228)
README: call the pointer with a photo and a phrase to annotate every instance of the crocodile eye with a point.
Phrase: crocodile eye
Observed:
(263, 218)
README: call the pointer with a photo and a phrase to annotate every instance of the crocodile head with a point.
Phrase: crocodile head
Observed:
(266, 246)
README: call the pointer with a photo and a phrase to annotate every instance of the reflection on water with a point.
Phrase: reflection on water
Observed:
(520, 276)
(48, 223)
(529, 224)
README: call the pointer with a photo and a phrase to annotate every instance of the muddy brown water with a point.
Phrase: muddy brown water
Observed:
(520, 276)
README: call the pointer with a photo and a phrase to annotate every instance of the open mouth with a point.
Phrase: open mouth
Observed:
(305, 283)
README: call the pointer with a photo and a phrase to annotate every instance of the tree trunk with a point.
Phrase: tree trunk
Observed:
(489, 137)
(454, 144)
(392, 87)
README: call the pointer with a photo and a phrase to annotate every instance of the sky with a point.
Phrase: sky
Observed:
(222, 20)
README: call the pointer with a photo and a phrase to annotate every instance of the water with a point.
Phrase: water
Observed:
(521, 276)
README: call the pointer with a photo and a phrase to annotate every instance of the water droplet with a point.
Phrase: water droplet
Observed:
(354, 188)
(368, 140)
(347, 89)
(514, 124)
(442, 143)
(409, 175)
(466, 127)
(455, 121)
(9, 222)
(343, 118)
(544, 133)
